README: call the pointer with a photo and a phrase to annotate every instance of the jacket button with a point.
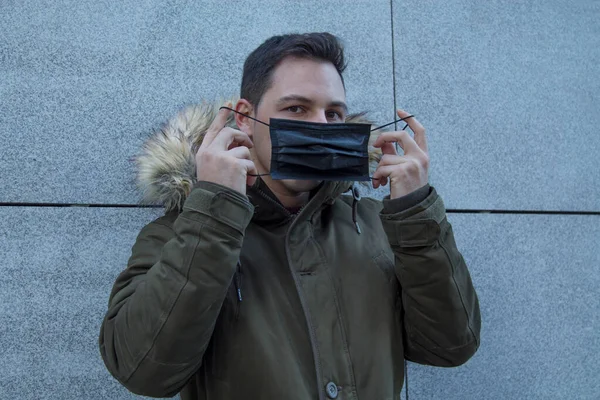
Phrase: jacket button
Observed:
(332, 390)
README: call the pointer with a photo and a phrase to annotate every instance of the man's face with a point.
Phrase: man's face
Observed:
(301, 89)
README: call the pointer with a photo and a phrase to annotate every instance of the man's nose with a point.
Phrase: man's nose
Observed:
(320, 116)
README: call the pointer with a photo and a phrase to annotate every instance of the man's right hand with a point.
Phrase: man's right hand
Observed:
(224, 155)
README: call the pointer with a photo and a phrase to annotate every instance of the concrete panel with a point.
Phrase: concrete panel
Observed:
(537, 280)
(83, 82)
(58, 266)
(509, 94)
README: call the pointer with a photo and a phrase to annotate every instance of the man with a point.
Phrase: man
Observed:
(257, 288)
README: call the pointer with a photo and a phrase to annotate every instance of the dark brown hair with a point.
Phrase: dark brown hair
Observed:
(260, 64)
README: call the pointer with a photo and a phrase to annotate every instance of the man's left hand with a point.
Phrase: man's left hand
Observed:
(406, 173)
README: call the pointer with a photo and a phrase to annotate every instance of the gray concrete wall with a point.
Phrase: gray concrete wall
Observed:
(508, 92)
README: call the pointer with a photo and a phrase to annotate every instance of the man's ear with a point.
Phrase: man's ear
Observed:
(243, 108)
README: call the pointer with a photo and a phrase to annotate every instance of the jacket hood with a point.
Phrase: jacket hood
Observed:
(166, 164)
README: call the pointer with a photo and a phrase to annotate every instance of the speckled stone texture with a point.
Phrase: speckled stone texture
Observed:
(58, 267)
(509, 93)
(84, 82)
(537, 280)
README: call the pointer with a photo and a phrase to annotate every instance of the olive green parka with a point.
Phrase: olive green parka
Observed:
(231, 296)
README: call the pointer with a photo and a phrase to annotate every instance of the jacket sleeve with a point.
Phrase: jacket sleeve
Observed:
(163, 307)
(441, 310)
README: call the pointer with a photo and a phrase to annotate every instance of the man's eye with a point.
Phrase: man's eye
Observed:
(294, 109)
(333, 115)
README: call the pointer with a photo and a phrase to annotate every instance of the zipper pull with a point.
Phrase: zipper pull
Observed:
(238, 282)
(239, 293)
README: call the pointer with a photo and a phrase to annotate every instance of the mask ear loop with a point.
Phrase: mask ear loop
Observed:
(237, 112)
(393, 122)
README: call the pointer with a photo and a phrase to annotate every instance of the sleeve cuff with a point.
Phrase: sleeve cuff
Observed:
(420, 225)
(220, 203)
(394, 206)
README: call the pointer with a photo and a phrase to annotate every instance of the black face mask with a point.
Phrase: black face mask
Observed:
(319, 151)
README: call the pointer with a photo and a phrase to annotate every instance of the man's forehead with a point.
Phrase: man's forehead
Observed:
(306, 81)
(302, 72)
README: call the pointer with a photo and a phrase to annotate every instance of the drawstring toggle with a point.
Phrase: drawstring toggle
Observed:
(356, 197)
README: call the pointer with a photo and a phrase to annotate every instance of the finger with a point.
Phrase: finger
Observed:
(251, 171)
(250, 168)
(382, 173)
(241, 152)
(417, 128)
(377, 182)
(215, 127)
(386, 148)
(235, 144)
(228, 136)
(389, 148)
(407, 143)
(389, 159)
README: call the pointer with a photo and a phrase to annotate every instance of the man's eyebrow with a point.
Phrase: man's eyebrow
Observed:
(340, 104)
(306, 100)
(294, 97)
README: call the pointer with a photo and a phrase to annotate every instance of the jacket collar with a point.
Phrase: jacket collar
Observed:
(268, 210)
